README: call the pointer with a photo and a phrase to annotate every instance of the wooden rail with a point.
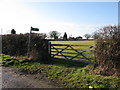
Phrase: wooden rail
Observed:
(67, 45)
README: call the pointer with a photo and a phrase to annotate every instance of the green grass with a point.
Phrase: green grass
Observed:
(67, 73)
(87, 53)
(73, 42)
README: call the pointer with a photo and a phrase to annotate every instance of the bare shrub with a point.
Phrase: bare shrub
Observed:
(107, 51)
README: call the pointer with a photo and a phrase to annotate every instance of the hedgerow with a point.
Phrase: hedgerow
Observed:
(107, 51)
(17, 45)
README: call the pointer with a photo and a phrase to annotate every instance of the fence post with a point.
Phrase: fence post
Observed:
(50, 49)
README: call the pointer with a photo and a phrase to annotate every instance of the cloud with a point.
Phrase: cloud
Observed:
(14, 14)
(70, 28)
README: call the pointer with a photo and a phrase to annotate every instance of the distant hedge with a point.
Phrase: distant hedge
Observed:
(17, 45)
(107, 51)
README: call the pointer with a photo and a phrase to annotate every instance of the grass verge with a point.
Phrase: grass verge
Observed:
(68, 74)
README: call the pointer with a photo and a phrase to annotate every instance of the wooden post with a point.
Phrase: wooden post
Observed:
(28, 52)
(50, 49)
(1, 42)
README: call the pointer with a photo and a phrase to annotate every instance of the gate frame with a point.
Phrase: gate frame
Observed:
(52, 46)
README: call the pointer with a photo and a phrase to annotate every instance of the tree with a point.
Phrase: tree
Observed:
(65, 36)
(87, 36)
(61, 37)
(13, 31)
(95, 35)
(54, 34)
(42, 35)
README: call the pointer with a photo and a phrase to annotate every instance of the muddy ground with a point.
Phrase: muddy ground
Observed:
(13, 78)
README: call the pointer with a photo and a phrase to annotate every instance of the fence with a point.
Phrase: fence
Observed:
(69, 52)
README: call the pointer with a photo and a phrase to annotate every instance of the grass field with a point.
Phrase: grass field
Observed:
(74, 42)
(87, 49)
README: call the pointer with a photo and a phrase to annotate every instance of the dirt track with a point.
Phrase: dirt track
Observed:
(11, 78)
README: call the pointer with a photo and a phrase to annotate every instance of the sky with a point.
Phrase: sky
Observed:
(76, 18)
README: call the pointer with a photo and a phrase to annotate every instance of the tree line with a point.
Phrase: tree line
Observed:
(57, 35)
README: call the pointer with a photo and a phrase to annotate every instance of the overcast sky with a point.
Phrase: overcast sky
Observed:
(75, 18)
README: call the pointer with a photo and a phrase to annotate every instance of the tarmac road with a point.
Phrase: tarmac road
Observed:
(11, 78)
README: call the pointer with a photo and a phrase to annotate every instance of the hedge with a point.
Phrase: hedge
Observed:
(17, 45)
(107, 51)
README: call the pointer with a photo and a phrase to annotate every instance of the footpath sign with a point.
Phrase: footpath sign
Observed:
(32, 29)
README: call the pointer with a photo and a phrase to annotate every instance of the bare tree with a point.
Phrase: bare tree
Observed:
(87, 36)
(95, 35)
(54, 34)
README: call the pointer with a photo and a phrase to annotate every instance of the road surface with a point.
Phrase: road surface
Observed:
(12, 78)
